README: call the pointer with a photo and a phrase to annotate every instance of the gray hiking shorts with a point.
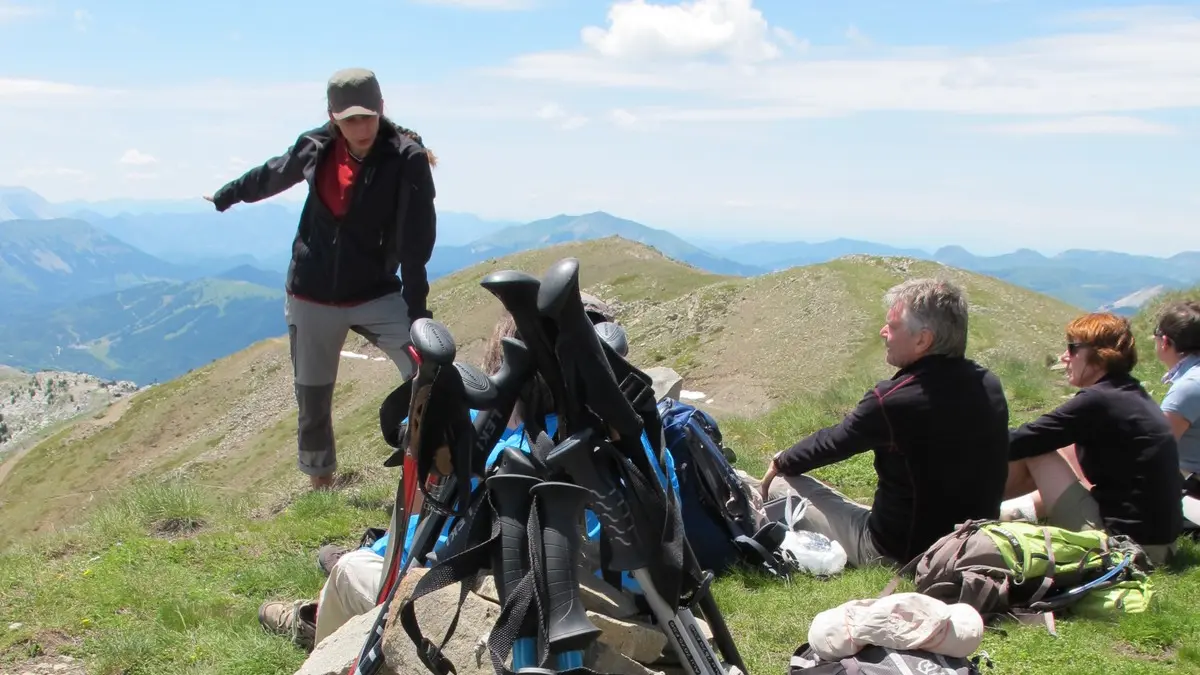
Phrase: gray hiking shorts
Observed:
(316, 334)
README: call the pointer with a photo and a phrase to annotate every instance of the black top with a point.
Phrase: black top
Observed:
(1126, 450)
(939, 430)
(391, 223)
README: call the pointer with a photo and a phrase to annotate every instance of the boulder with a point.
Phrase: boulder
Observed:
(622, 649)
(597, 595)
(667, 382)
(336, 652)
(434, 612)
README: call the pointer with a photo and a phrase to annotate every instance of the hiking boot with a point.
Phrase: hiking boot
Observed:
(295, 620)
(328, 555)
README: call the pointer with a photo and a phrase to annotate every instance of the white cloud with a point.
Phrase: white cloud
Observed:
(857, 37)
(10, 11)
(81, 19)
(483, 4)
(136, 157)
(640, 30)
(552, 112)
(623, 118)
(32, 90)
(1133, 61)
(1087, 124)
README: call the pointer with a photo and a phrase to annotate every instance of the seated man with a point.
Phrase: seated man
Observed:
(938, 428)
(356, 576)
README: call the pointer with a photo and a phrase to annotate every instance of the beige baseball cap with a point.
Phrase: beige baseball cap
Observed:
(353, 91)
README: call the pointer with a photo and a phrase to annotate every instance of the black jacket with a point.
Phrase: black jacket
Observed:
(391, 223)
(939, 430)
(1125, 449)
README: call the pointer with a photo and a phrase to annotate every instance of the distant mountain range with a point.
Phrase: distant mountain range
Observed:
(565, 228)
(145, 290)
(152, 332)
(49, 262)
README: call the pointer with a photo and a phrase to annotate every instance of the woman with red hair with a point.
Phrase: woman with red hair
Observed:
(1128, 480)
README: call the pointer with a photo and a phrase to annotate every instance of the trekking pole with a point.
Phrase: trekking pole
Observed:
(617, 390)
(494, 397)
(576, 457)
(518, 292)
(511, 501)
(570, 630)
(432, 348)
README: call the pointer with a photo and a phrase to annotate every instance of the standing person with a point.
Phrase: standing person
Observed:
(369, 213)
(938, 429)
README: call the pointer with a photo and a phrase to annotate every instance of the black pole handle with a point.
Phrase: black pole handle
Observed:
(614, 335)
(578, 344)
(560, 507)
(518, 292)
(511, 500)
(577, 458)
(516, 369)
(513, 461)
(433, 341)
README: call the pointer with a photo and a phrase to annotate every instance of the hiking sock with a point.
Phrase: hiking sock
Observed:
(1018, 508)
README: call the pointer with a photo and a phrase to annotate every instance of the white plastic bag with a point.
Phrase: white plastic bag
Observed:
(809, 551)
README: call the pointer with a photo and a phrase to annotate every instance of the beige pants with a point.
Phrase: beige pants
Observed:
(351, 590)
(838, 517)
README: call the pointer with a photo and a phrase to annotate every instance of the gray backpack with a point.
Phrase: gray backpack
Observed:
(875, 660)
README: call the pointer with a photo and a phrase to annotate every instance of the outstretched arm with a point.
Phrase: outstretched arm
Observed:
(266, 180)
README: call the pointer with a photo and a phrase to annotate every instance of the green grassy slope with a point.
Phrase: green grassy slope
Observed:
(234, 527)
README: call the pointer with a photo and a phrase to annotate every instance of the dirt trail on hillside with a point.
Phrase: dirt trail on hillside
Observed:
(112, 413)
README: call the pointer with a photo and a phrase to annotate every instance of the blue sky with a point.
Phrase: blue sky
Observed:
(993, 124)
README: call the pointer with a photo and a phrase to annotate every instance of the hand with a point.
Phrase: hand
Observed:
(767, 479)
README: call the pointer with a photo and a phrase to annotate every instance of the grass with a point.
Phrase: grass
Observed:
(214, 557)
(166, 576)
(770, 619)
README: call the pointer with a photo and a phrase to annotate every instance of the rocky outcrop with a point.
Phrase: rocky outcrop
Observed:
(622, 648)
(627, 645)
(31, 402)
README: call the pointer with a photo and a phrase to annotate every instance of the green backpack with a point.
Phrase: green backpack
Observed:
(1030, 571)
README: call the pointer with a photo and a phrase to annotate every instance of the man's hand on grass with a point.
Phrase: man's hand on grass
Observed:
(767, 478)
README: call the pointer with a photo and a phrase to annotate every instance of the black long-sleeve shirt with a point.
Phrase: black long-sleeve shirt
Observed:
(939, 430)
(1125, 449)
(391, 224)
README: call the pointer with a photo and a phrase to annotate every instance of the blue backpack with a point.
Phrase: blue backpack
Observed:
(718, 518)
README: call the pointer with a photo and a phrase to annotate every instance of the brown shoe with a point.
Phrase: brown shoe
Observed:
(328, 555)
(295, 620)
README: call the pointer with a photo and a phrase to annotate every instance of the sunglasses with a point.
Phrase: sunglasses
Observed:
(1074, 347)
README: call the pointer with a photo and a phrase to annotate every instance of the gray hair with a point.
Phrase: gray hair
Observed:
(937, 305)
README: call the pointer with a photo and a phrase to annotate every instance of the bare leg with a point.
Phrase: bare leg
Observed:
(1034, 484)
(1053, 475)
(1020, 480)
